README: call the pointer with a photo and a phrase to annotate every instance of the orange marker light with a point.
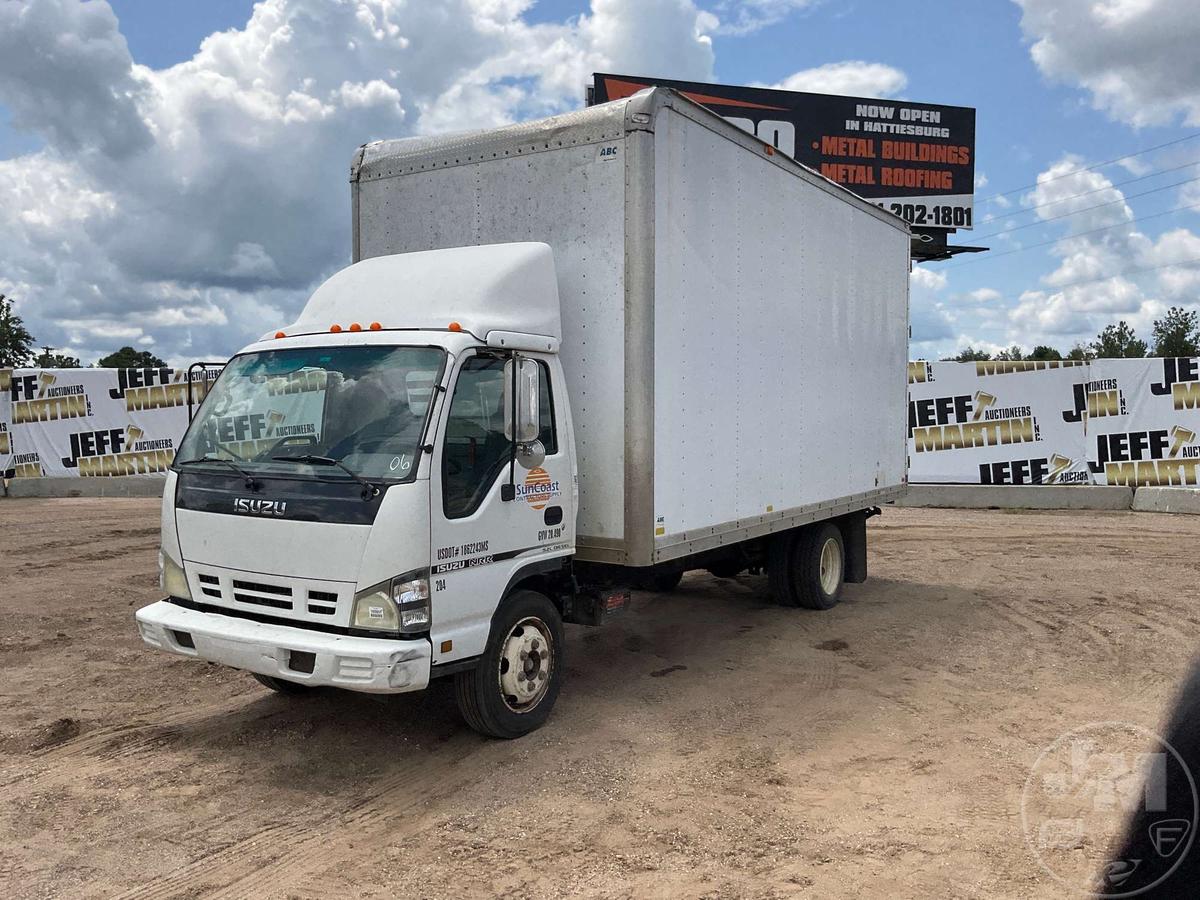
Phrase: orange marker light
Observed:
(280, 334)
(770, 150)
(335, 328)
(375, 326)
(354, 326)
(454, 326)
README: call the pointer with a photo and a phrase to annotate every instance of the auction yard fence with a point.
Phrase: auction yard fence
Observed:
(1133, 422)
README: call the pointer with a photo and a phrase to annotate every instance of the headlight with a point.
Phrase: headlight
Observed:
(411, 596)
(171, 578)
(400, 605)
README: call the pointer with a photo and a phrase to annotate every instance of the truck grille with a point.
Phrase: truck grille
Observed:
(291, 597)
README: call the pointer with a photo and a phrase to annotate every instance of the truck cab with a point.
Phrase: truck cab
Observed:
(360, 489)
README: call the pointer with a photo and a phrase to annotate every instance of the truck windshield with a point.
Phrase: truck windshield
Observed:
(365, 407)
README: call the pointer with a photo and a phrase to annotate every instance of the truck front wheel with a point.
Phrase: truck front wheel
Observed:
(806, 568)
(513, 688)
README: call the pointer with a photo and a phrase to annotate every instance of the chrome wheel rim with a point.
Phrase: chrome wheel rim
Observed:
(831, 566)
(526, 664)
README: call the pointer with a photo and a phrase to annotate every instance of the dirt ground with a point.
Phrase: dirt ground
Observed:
(708, 744)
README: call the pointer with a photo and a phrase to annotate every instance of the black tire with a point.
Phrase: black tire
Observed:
(281, 685)
(482, 698)
(663, 582)
(779, 569)
(815, 587)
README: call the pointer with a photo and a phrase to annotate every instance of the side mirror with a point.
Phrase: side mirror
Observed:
(527, 400)
(531, 454)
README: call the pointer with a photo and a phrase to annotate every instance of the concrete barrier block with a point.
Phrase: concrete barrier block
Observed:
(990, 496)
(140, 486)
(1167, 500)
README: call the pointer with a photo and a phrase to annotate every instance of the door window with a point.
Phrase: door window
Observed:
(475, 448)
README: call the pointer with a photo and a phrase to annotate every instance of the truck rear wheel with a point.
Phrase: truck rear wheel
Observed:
(807, 567)
(513, 688)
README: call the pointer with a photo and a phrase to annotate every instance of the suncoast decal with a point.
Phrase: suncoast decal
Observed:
(44, 397)
(539, 488)
(969, 420)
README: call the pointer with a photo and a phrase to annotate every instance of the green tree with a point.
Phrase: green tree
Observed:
(1081, 351)
(1177, 333)
(16, 343)
(1042, 352)
(128, 358)
(48, 359)
(1119, 342)
(1012, 354)
(970, 354)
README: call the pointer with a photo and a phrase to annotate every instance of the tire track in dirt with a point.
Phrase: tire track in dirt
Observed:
(250, 866)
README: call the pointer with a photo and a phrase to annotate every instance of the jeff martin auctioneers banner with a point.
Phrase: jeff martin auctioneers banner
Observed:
(1133, 422)
(91, 422)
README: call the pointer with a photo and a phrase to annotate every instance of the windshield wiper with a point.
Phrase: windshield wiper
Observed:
(251, 481)
(369, 490)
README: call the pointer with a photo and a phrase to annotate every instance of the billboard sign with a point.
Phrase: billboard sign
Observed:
(916, 160)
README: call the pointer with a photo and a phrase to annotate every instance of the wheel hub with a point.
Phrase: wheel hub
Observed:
(526, 660)
(831, 566)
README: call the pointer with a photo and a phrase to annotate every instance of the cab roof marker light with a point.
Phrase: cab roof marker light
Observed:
(454, 326)
(335, 328)
(375, 326)
(280, 334)
(354, 326)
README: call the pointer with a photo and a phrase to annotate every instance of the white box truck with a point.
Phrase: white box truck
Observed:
(572, 357)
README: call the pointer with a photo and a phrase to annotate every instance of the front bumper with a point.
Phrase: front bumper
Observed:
(373, 665)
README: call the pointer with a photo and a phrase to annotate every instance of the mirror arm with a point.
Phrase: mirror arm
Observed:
(509, 491)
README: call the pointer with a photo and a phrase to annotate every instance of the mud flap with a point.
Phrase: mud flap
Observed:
(854, 539)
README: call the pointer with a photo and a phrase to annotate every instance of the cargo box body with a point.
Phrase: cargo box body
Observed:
(735, 327)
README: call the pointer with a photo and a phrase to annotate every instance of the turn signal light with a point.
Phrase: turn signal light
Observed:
(454, 326)
(335, 328)
(354, 326)
(375, 326)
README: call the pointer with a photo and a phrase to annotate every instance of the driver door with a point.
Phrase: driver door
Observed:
(479, 540)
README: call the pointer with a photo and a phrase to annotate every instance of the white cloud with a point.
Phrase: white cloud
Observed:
(1099, 277)
(984, 295)
(853, 78)
(740, 17)
(192, 208)
(925, 277)
(1137, 58)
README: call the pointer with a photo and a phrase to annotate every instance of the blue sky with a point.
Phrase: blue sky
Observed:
(1058, 86)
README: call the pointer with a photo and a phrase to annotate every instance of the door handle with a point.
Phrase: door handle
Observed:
(554, 515)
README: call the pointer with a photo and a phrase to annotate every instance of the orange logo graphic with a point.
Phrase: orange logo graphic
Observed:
(539, 488)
